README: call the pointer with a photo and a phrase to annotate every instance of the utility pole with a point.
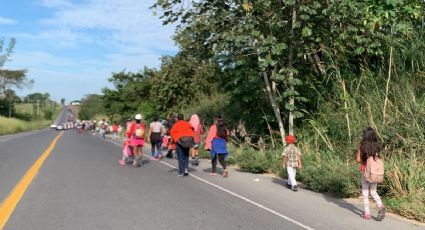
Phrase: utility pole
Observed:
(38, 107)
(10, 108)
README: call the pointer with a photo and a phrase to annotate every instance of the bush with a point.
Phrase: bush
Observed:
(254, 161)
(48, 114)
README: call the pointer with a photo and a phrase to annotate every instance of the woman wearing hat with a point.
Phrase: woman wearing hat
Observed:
(136, 133)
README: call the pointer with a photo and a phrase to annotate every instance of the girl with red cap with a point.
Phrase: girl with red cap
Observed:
(291, 160)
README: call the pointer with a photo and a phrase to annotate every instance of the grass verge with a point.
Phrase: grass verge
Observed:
(12, 125)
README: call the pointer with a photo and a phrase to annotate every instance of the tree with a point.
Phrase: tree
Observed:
(63, 101)
(293, 44)
(10, 78)
(91, 105)
(180, 80)
(130, 95)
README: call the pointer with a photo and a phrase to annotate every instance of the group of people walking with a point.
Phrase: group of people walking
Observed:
(176, 135)
(182, 137)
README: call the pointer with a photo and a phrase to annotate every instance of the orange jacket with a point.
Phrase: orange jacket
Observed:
(181, 129)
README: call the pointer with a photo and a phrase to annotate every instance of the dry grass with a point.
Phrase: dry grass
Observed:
(12, 125)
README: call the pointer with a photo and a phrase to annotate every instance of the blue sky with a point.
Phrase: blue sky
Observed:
(71, 47)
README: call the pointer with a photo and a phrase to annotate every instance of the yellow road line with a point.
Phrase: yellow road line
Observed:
(9, 204)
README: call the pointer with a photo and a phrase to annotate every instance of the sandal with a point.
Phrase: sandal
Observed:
(213, 174)
(225, 173)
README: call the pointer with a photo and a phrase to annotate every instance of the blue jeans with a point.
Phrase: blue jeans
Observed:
(157, 146)
(183, 158)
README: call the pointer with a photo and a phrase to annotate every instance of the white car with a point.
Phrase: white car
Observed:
(53, 126)
(60, 127)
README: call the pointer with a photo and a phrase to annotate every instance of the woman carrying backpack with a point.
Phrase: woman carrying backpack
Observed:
(219, 148)
(368, 150)
(137, 139)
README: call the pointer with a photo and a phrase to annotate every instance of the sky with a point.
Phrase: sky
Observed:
(71, 47)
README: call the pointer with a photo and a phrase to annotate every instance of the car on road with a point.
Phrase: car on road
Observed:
(60, 127)
(53, 126)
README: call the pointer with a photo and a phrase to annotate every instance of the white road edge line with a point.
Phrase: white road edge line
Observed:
(235, 194)
(21, 135)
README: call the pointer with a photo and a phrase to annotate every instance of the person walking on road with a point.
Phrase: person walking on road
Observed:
(137, 139)
(212, 132)
(183, 135)
(219, 148)
(103, 127)
(292, 161)
(114, 130)
(171, 120)
(197, 127)
(155, 133)
(369, 147)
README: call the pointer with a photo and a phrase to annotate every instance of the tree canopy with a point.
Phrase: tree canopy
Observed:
(10, 78)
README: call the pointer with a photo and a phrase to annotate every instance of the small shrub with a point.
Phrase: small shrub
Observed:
(255, 161)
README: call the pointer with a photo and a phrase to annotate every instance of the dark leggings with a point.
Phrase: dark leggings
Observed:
(214, 162)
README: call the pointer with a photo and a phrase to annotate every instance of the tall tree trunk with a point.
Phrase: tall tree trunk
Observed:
(291, 73)
(275, 106)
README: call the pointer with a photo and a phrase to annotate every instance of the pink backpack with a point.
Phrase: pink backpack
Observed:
(374, 172)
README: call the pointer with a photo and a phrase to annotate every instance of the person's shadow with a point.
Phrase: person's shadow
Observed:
(340, 202)
(343, 204)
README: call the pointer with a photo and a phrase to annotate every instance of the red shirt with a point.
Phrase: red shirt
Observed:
(182, 129)
(114, 128)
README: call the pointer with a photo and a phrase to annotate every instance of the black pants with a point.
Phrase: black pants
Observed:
(214, 162)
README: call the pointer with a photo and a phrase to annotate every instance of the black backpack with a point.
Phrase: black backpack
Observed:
(186, 142)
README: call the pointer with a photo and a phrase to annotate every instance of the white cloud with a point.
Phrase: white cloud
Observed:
(7, 21)
(38, 59)
(55, 3)
(125, 33)
(127, 23)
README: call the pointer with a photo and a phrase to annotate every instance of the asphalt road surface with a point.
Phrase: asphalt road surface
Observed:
(80, 185)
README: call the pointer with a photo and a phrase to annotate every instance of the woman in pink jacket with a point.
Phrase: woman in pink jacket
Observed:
(212, 132)
(197, 127)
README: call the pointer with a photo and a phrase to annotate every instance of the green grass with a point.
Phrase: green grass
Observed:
(27, 108)
(12, 125)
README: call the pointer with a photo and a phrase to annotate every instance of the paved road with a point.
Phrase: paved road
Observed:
(81, 186)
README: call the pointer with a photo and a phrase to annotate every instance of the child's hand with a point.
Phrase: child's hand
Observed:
(300, 166)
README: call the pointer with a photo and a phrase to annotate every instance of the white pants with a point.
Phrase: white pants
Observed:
(292, 172)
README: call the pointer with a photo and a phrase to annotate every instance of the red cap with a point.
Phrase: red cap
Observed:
(290, 139)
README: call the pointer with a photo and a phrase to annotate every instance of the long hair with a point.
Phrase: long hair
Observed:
(221, 129)
(369, 145)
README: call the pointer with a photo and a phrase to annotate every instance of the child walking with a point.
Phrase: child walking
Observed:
(126, 153)
(369, 147)
(292, 160)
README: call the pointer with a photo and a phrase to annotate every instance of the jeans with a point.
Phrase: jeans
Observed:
(156, 146)
(292, 172)
(366, 188)
(183, 158)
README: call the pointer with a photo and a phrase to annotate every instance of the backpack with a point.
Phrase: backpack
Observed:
(139, 132)
(186, 142)
(374, 172)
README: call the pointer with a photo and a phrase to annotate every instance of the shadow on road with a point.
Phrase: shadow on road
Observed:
(340, 202)
(283, 183)
(343, 204)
